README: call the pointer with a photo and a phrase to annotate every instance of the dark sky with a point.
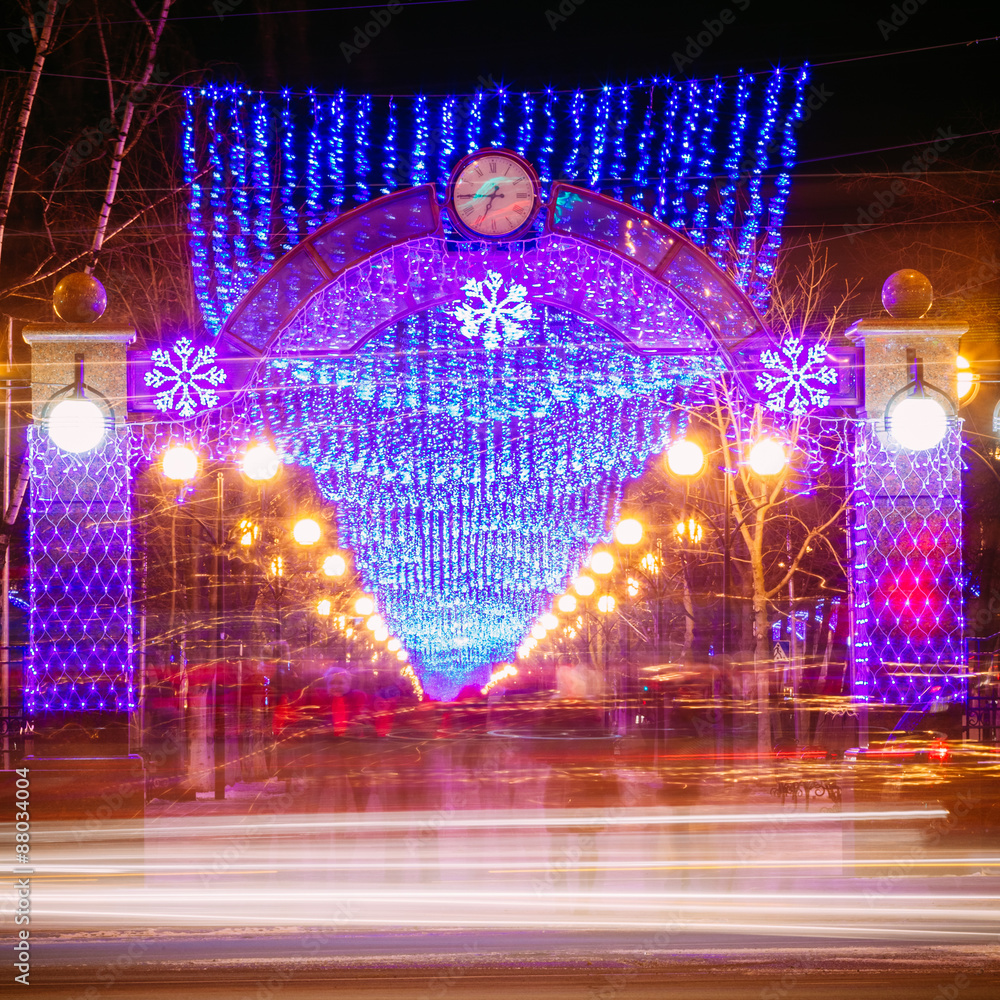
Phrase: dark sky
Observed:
(869, 103)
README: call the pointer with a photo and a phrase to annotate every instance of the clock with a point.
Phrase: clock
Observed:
(493, 194)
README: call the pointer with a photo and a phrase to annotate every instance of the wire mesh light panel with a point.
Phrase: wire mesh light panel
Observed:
(80, 655)
(908, 572)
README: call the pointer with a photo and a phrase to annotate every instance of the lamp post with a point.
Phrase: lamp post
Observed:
(181, 464)
(628, 533)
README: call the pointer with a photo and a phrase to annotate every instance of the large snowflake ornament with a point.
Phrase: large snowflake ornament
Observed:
(488, 316)
(188, 381)
(795, 383)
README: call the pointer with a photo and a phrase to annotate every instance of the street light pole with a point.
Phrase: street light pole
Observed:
(218, 646)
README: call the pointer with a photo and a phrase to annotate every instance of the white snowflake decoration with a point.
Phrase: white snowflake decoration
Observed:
(796, 384)
(494, 319)
(188, 381)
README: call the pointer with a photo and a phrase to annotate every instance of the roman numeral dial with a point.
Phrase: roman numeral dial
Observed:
(493, 194)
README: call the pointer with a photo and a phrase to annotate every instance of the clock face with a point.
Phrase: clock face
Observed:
(493, 194)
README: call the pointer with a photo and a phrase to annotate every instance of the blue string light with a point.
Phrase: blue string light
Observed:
(390, 181)
(621, 127)
(261, 173)
(688, 146)
(362, 113)
(725, 214)
(707, 150)
(577, 110)
(641, 174)
(335, 151)
(599, 138)
(420, 162)
(783, 184)
(524, 131)
(446, 147)
(314, 189)
(549, 140)
(289, 177)
(474, 129)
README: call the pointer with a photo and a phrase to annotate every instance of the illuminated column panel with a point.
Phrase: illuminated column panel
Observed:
(907, 641)
(80, 546)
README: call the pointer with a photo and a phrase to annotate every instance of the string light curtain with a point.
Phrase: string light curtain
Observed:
(710, 158)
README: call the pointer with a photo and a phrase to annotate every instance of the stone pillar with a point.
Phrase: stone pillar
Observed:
(79, 671)
(908, 643)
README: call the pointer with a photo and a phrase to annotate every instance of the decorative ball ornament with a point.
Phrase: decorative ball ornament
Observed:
(602, 563)
(918, 423)
(767, 457)
(79, 298)
(685, 458)
(907, 294)
(261, 463)
(180, 463)
(76, 425)
(629, 531)
(307, 531)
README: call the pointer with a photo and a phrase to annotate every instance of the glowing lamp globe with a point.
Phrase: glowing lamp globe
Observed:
(261, 463)
(375, 623)
(180, 463)
(629, 531)
(918, 423)
(606, 604)
(602, 563)
(538, 632)
(393, 644)
(685, 458)
(402, 655)
(324, 607)
(767, 457)
(307, 531)
(381, 634)
(364, 606)
(335, 565)
(566, 603)
(549, 622)
(76, 425)
(584, 586)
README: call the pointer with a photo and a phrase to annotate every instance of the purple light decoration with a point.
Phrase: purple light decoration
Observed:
(668, 159)
(80, 655)
(908, 573)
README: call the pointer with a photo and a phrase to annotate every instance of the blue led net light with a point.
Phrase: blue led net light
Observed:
(655, 142)
(470, 483)
(81, 577)
(908, 572)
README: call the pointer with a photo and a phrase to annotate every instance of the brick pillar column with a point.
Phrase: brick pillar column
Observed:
(908, 643)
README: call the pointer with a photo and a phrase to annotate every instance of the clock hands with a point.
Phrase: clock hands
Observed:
(495, 193)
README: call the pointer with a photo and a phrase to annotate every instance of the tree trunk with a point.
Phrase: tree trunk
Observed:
(42, 48)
